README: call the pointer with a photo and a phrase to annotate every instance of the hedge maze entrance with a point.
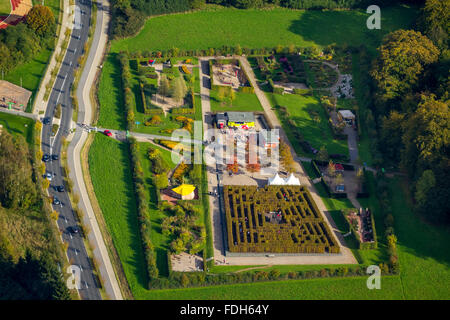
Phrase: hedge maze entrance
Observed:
(275, 219)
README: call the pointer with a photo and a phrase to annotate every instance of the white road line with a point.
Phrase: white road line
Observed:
(59, 95)
(71, 236)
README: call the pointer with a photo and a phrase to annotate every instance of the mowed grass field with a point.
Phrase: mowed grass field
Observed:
(17, 125)
(263, 28)
(5, 7)
(110, 171)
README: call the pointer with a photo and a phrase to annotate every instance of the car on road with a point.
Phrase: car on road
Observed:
(48, 176)
(73, 230)
(107, 133)
(46, 158)
(46, 120)
(55, 157)
(59, 188)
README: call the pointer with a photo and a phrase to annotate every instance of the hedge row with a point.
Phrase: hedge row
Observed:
(128, 94)
(203, 279)
(143, 215)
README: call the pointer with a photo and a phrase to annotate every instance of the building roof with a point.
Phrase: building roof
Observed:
(339, 167)
(292, 180)
(276, 180)
(347, 114)
(184, 189)
(241, 116)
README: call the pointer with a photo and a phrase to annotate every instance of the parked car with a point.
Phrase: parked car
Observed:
(46, 120)
(48, 176)
(107, 133)
(60, 188)
(56, 201)
(46, 158)
(55, 157)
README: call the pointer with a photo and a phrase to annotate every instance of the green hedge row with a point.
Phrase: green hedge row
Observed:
(142, 204)
(128, 94)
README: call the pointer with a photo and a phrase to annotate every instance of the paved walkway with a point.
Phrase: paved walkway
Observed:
(74, 160)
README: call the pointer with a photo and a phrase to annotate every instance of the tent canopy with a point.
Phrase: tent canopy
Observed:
(184, 189)
(276, 180)
(292, 180)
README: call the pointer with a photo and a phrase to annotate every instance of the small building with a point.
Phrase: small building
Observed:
(185, 191)
(221, 120)
(13, 96)
(347, 116)
(243, 120)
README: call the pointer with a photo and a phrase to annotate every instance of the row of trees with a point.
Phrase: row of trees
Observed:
(20, 43)
(411, 98)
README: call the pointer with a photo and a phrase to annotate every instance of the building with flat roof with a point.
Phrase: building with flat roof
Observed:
(13, 96)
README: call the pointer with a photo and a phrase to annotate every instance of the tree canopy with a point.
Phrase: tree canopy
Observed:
(41, 20)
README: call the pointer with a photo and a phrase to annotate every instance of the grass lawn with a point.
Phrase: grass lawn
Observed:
(316, 133)
(109, 167)
(17, 125)
(242, 102)
(228, 26)
(5, 7)
(110, 95)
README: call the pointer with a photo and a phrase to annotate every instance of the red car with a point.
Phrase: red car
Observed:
(107, 133)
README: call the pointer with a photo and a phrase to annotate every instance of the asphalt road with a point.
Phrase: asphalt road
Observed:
(52, 145)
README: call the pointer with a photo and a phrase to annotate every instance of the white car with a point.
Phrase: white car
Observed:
(48, 176)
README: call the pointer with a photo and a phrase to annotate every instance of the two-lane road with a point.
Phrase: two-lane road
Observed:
(51, 145)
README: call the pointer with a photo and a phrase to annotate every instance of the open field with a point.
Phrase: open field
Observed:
(228, 26)
(17, 125)
(5, 7)
(316, 131)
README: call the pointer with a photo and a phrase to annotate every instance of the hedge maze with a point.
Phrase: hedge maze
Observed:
(275, 219)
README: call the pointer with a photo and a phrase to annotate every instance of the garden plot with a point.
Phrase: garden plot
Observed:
(344, 89)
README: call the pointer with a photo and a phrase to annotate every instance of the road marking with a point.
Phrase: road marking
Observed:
(76, 251)
(62, 87)
(81, 268)
(85, 283)
(71, 236)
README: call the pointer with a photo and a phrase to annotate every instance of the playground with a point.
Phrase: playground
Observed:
(226, 75)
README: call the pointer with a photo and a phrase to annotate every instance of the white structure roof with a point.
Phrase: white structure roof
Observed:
(292, 180)
(276, 180)
(347, 114)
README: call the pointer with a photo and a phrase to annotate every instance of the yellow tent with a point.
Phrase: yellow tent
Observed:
(185, 191)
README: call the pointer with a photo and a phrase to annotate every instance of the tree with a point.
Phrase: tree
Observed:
(322, 155)
(403, 56)
(427, 136)
(331, 169)
(423, 187)
(178, 89)
(286, 159)
(434, 22)
(41, 20)
(391, 135)
(164, 86)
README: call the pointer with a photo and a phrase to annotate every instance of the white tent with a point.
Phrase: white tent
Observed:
(292, 180)
(277, 181)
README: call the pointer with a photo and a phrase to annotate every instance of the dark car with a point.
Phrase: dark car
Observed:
(55, 157)
(74, 230)
(46, 158)
(46, 120)
(56, 201)
(60, 188)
